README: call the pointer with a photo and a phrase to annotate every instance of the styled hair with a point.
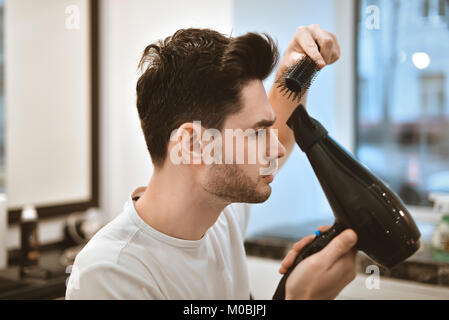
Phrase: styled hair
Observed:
(197, 74)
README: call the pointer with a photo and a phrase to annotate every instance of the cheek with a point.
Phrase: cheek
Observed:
(251, 171)
(228, 152)
(245, 150)
(239, 150)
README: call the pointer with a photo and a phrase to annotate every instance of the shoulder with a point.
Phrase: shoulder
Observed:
(107, 244)
(111, 267)
(106, 280)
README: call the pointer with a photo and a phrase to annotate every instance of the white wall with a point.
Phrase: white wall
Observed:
(127, 28)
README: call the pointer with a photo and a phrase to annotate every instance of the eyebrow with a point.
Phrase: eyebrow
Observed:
(264, 123)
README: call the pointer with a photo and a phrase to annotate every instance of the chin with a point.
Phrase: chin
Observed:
(263, 194)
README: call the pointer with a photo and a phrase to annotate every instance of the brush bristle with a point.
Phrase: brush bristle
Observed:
(303, 73)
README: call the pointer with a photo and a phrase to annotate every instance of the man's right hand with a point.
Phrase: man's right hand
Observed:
(324, 274)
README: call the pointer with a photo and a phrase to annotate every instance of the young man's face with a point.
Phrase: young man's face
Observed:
(248, 168)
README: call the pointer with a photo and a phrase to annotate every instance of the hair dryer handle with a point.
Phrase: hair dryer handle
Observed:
(316, 245)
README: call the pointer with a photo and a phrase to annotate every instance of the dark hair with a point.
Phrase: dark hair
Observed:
(197, 74)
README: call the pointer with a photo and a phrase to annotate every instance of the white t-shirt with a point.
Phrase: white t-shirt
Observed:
(128, 259)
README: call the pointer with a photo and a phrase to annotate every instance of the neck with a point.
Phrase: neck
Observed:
(175, 204)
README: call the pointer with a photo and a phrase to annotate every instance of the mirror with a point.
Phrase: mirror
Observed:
(51, 106)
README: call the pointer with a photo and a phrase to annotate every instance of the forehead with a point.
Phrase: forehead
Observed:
(255, 107)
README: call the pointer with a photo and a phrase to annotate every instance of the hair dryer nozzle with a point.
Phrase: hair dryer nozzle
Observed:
(306, 129)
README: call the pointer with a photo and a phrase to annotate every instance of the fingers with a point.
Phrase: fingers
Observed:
(345, 267)
(307, 43)
(323, 228)
(338, 247)
(292, 254)
(297, 247)
(320, 45)
(329, 47)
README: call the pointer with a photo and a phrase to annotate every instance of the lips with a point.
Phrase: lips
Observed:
(271, 170)
(268, 178)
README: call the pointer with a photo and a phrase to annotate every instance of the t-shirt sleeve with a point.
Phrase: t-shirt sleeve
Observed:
(108, 281)
(242, 213)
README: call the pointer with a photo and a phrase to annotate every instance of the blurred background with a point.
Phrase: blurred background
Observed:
(70, 139)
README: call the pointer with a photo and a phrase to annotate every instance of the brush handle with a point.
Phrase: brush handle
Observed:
(316, 245)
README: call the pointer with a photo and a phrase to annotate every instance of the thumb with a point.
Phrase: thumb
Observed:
(339, 246)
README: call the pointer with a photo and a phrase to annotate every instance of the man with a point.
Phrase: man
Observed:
(181, 237)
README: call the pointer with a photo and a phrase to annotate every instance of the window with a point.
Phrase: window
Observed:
(402, 96)
(432, 8)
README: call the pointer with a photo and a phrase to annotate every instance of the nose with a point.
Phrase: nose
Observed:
(281, 151)
(276, 148)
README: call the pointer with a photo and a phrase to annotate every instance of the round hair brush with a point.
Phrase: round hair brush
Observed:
(297, 79)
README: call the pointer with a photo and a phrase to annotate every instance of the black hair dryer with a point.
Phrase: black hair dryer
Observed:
(360, 201)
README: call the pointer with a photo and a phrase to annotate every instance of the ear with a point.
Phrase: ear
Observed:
(190, 140)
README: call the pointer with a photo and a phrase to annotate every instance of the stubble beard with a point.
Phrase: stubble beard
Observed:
(230, 183)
